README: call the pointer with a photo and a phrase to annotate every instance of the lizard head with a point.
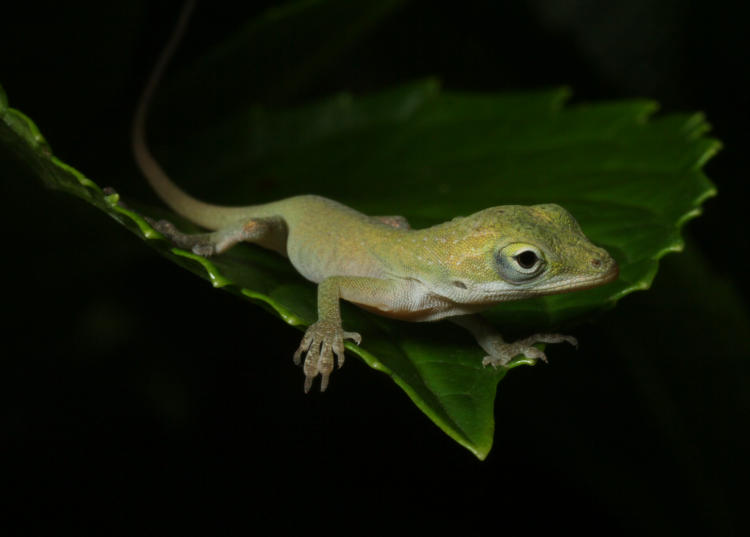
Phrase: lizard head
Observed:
(514, 252)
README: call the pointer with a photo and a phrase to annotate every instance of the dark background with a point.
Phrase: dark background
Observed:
(137, 398)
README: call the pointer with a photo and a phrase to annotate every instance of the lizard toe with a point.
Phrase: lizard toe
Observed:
(323, 347)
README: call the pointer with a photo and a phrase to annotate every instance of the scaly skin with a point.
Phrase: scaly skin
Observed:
(450, 270)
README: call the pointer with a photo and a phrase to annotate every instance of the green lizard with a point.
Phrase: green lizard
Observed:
(448, 271)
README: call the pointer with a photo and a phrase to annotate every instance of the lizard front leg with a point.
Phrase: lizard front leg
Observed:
(500, 353)
(325, 338)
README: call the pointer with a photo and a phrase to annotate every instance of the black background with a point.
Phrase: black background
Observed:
(137, 398)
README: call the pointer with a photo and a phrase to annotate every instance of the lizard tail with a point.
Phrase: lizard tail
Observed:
(204, 214)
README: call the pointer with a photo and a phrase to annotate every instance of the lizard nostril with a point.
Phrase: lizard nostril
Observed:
(596, 262)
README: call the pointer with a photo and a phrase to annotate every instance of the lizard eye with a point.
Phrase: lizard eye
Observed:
(526, 259)
(519, 262)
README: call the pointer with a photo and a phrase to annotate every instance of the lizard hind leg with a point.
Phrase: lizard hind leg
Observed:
(264, 231)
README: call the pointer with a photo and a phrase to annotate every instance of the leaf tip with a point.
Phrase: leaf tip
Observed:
(561, 96)
(648, 108)
(480, 454)
(712, 148)
(694, 213)
(480, 451)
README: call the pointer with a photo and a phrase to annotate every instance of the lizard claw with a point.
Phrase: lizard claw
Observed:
(549, 338)
(321, 342)
(503, 353)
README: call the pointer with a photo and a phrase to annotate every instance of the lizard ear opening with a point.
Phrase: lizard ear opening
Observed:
(459, 284)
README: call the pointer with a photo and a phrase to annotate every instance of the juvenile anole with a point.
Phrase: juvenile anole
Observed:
(449, 271)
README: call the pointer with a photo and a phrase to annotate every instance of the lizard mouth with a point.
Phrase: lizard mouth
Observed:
(607, 274)
(610, 274)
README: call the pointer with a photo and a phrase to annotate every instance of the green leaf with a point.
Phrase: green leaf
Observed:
(631, 180)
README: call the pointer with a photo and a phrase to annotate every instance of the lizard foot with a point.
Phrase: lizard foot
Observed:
(221, 240)
(502, 353)
(321, 341)
(198, 243)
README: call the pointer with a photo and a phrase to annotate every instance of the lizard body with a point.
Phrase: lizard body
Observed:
(450, 270)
